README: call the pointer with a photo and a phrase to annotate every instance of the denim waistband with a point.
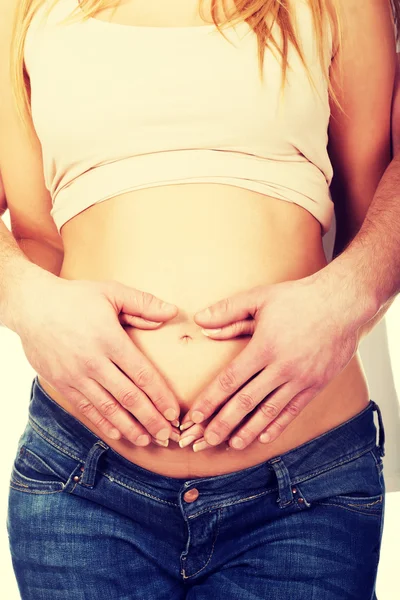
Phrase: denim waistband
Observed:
(337, 446)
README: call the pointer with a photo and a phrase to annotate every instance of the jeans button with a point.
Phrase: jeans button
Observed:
(191, 495)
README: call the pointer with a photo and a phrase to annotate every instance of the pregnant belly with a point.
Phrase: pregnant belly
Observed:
(193, 245)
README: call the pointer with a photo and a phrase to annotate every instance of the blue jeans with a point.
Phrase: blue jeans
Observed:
(84, 523)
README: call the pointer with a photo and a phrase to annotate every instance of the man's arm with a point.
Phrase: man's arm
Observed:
(371, 261)
(370, 264)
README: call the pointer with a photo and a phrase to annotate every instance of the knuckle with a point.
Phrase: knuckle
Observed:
(160, 400)
(265, 353)
(101, 423)
(293, 408)
(246, 402)
(207, 406)
(113, 347)
(147, 300)
(227, 379)
(247, 434)
(108, 408)
(91, 364)
(286, 368)
(84, 407)
(129, 398)
(144, 377)
(224, 305)
(132, 432)
(152, 423)
(269, 410)
(223, 426)
(277, 429)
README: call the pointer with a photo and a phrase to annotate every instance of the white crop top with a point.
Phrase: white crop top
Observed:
(119, 108)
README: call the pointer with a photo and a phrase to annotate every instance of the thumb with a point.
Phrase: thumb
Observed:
(140, 304)
(235, 308)
(138, 322)
(245, 327)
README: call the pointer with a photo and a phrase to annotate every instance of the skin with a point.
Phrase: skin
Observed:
(312, 343)
(285, 372)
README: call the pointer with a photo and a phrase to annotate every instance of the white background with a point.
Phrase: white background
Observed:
(380, 354)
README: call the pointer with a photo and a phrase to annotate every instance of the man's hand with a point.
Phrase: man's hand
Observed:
(304, 333)
(72, 335)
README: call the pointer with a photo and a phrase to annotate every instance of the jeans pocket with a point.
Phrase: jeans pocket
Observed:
(38, 467)
(359, 486)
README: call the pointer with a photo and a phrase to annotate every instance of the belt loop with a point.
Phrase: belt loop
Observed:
(90, 466)
(284, 483)
(381, 442)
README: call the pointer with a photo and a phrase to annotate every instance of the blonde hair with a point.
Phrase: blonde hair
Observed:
(261, 15)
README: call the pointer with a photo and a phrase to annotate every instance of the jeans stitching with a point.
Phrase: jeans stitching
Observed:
(39, 431)
(230, 503)
(379, 501)
(113, 480)
(345, 507)
(30, 491)
(25, 478)
(308, 476)
(212, 551)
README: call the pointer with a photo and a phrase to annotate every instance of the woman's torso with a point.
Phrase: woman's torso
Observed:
(192, 245)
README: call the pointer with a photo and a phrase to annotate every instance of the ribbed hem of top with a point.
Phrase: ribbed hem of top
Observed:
(300, 182)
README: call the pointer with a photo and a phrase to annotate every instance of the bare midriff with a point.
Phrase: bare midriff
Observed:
(192, 245)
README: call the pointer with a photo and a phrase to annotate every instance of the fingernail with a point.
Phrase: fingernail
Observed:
(237, 442)
(186, 441)
(264, 438)
(197, 416)
(114, 434)
(170, 414)
(163, 434)
(167, 305)
(175, 436)
(204, 314)
(175, 423)
(142, 440)
(163, 443)
(200, 446)
(212, 438)
(186, 425)
(209, 332)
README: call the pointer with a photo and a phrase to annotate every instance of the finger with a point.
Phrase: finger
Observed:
(126, 394)
(268, 409)
(138, 322)
(233, 308)
(238, 372)
(93, 415)
(200, 445)
(145, 376)
(191, 435)
(242, 403)
(136, 302)
(287, 415)
(174, 436)
(245, 327)
(102, 410)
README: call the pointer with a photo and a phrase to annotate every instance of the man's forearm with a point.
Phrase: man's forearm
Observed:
(43, 255)
(368, 269)
(17, 271)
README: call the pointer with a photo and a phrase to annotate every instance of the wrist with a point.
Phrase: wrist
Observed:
(18, 287)
(348, 286)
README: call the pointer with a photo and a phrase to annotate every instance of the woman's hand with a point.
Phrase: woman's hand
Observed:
(303, 332)
(72, 335)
